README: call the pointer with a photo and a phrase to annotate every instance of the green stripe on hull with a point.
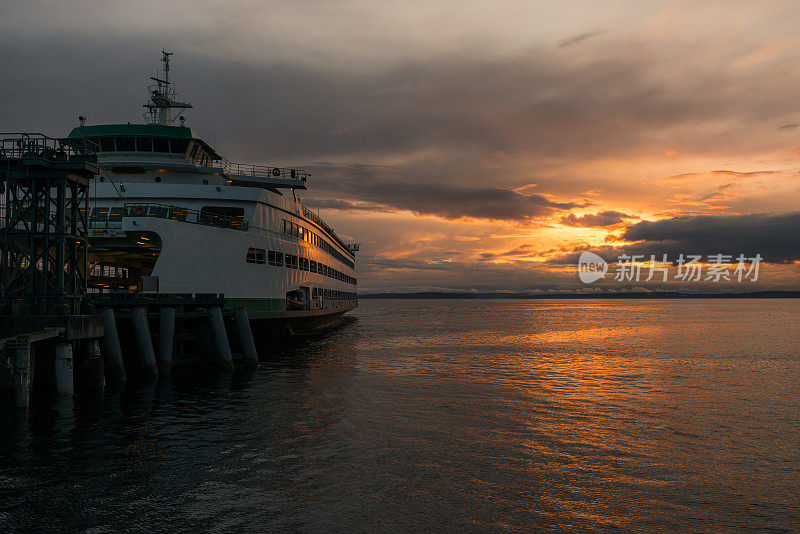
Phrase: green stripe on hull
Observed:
(255, 305)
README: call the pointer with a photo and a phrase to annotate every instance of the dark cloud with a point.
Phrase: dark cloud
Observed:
(729, 174)
(604, 218)
(773, 236)
(613, 100)
(523, 251)
(575, 39)
(380, 187)
(716, 194)
(345, 205)
(791, 126)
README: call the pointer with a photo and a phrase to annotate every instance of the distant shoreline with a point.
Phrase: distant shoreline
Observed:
(632, 295)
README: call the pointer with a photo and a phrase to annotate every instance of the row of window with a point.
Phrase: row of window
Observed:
(211, 215)
(332, 294)
(198, 155)
(139, 144)
(102, 214)
(260, 256)
(308, 236)
(110, 271)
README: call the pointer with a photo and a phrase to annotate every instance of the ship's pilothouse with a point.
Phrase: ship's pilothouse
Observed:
(165, 198)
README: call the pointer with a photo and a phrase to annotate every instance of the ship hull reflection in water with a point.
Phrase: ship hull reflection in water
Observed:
(431, 415)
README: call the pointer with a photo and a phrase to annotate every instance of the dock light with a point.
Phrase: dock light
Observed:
(82, 120)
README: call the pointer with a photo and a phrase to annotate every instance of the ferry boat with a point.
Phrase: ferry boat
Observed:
(169, 216)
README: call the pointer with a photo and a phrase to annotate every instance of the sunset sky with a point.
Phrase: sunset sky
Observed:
(465, 145)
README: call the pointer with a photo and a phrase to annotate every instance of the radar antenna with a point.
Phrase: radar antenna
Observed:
(162, 98)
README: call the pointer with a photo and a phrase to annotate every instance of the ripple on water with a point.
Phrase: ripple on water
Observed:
(442, 415)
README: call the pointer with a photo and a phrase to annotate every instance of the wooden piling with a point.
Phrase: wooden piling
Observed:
(245, 336)
(166, 340)
(141, 331)
(224, 356)
(112, 350)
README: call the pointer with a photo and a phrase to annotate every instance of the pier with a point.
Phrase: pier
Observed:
(53, 335)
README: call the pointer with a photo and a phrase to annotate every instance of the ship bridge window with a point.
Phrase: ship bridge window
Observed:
(198, 156)
(106, 144)
(312, 266)
(125, 144)
(144, 144)
(160, 144)
(275, 258)
(291, 261)
(303, 264)
(256, 255)
(178, 146)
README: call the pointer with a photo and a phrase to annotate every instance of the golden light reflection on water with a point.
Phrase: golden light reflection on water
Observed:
(604, 414)
(428, 416)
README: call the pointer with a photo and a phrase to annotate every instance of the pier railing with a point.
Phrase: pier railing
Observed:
(17, 145)
(177, 213)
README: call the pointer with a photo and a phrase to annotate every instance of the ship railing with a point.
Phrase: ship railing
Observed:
(264, 171)
(177, 213)
(317, 219)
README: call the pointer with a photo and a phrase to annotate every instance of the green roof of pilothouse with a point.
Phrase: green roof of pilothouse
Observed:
(140, 130)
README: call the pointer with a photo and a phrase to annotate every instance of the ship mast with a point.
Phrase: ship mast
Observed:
(162, 98)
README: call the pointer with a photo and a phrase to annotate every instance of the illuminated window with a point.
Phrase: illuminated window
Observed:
(115, 215)
(99, 214)
(224, 216)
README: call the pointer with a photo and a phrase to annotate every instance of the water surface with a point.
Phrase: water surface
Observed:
(501, 415)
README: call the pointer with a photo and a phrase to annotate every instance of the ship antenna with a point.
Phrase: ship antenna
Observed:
(165, 60)
(162, 97)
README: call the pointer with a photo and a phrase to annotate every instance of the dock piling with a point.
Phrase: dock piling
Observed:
(245, 336)
(144, 342)
(114, 364)
(166, 340)
(224, 356)
(21, 348)
(63, 368)
(90, 372)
